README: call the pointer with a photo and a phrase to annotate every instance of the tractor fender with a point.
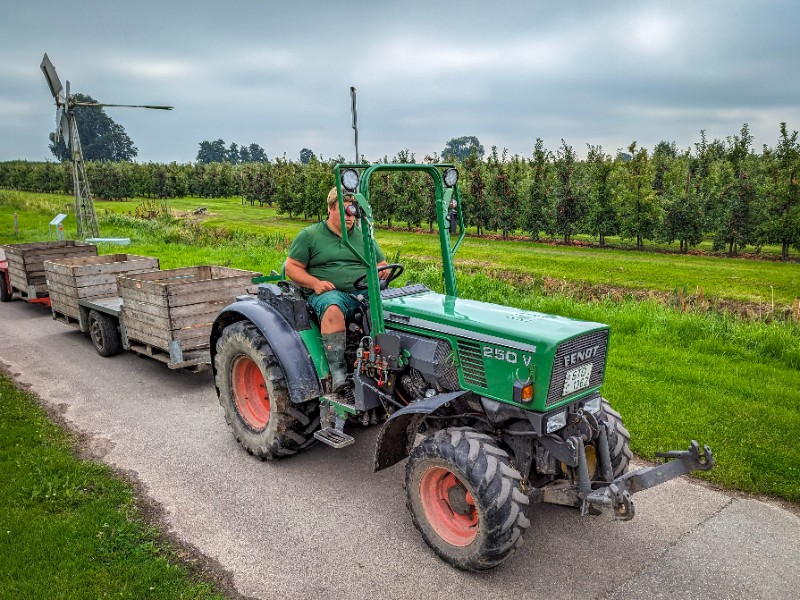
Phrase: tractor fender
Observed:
(298, 368)
(392, 445)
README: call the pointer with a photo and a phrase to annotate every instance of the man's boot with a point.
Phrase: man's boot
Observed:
(333, 343)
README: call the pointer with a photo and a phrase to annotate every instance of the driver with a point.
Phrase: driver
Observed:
(320, 263)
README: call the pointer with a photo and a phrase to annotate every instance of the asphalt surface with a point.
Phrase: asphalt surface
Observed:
(322, 525)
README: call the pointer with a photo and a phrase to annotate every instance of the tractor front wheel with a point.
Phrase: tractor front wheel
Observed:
(618, 439)
(252, 391)
(464, 498)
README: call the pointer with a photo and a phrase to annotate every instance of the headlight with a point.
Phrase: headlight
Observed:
(593, 405)
(350, 180)
(556, 421)
(450, 177)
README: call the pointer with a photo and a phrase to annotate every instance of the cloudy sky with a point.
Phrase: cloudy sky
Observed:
(278, 73)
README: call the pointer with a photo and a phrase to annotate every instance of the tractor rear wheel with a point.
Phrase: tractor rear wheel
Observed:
(253, 393)
(464, 498)
(618, 439)
(104, 333)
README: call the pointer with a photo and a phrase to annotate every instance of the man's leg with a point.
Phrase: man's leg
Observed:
(333, 341)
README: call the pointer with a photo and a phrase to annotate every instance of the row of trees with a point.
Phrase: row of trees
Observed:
(723, 188)
(218, 152)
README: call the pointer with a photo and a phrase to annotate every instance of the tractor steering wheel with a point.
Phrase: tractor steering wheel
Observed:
(395, 271)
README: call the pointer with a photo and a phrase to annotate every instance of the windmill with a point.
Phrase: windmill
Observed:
(67, 128)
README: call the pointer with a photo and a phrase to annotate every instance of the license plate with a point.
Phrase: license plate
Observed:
(577, 379)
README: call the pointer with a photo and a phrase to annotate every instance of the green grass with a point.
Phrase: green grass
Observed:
(737, 279)
(730, 383)
(68, 527)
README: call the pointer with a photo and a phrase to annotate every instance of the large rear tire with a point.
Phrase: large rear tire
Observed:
(105, 334)
(464, 498)
(252, 391)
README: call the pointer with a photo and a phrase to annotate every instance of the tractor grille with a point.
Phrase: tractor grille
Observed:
(578, 346)
(469, 354)
(445, 371)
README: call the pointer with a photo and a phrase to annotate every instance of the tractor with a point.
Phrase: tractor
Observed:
(496, 408)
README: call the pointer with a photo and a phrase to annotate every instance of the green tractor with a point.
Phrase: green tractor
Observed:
(495, 408)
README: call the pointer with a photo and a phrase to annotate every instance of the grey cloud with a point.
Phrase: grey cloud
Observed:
(278, 74)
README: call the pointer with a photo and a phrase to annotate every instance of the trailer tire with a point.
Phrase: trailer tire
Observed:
(618, 440)
(464, 498)
(5, 288)
(252, 391)
(104, 333)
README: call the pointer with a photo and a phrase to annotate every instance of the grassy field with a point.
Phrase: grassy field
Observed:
(69, 528)
(731, 383)
(770, 283)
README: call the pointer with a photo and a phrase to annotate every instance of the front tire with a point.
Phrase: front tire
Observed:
(618, 439)
(253, 393)
(464, 498)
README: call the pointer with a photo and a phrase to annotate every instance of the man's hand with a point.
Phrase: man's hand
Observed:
(384, 274)
(323, 286)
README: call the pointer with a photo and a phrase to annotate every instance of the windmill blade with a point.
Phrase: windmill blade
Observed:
(52, 77)
(59, 115)
(102, 104)
(64, 128)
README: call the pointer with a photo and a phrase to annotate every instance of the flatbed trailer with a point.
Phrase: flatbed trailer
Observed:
(22, 267)
(107, 319)
(166, 315)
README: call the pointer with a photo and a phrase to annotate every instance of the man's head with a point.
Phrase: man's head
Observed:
(333, 208)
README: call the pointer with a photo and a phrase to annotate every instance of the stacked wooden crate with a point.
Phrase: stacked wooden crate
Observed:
(26, 262)
(173, 310)
(71, 279)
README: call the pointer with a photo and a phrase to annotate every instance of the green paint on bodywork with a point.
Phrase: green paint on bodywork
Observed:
(313, 341)
(510, 344)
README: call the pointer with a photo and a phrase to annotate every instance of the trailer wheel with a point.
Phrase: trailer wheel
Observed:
(104, 333)
(464, 498)
(252, 391)
(618, 439)
(5, 288)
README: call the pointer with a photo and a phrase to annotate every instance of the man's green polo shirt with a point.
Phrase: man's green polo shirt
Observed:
(327, 258)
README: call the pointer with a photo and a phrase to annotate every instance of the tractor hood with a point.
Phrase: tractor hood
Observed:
(524, 329)
(498, 348)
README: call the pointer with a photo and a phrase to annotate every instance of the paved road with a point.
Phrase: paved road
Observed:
(321, 525)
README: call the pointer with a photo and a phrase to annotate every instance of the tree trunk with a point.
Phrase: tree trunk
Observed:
(639, 244)
(785, 250)
(602, 239)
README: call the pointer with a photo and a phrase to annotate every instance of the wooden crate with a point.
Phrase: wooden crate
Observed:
(70, 279)
(26, 262)
(175, 308)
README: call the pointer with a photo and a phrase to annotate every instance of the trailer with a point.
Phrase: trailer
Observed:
(166, 315)
(23, 272)
(70, 280)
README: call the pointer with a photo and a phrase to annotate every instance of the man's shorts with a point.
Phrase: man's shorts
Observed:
(346, 303)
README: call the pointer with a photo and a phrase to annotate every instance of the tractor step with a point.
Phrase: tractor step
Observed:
(334, 437)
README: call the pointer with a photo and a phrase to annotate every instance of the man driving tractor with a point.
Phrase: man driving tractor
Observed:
(320, 263)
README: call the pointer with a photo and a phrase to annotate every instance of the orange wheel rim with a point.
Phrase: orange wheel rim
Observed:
(250, 393)
(449, 507)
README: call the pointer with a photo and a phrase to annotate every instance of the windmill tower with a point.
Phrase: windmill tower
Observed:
(67, 128)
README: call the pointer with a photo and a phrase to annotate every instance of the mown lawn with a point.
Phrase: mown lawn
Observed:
(740, 279)
(68, 527)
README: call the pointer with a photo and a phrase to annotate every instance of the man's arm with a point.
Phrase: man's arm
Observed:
(296, 271)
